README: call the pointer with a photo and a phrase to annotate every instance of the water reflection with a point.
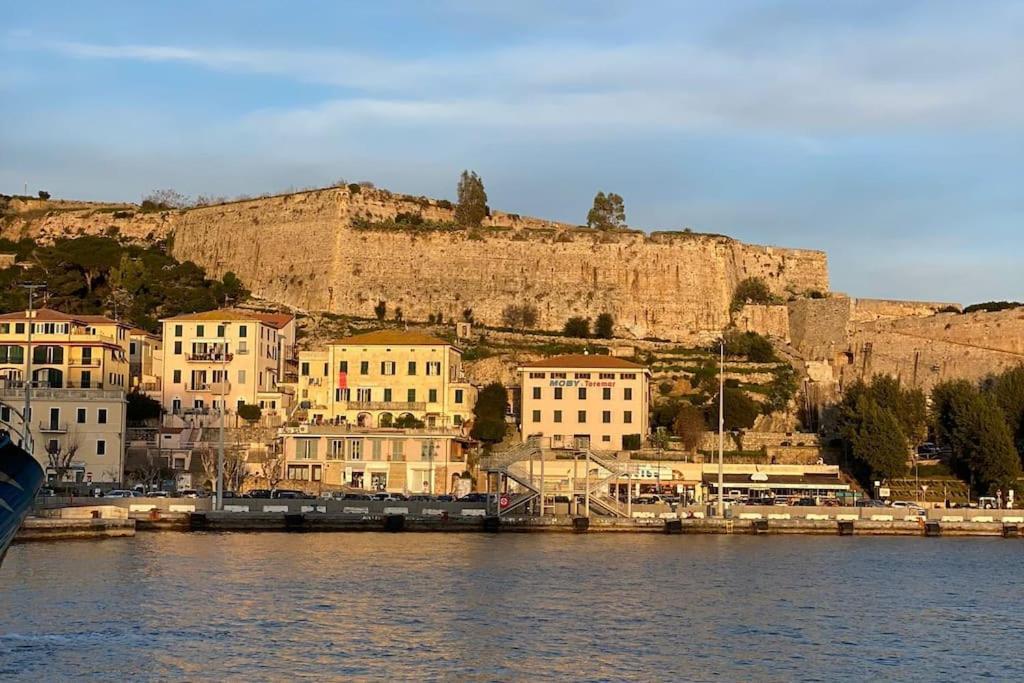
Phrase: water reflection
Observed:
(597, 607)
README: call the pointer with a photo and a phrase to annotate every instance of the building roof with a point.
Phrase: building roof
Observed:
(582, 360)
(391, 337)
(51, 315)
(275, 320)
(809, 478)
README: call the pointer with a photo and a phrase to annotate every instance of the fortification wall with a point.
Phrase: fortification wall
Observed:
(819, 328)
(866, 310)
(772, 321)
(301, 250)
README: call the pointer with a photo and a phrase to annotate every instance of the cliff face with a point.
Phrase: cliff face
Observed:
(301, 250)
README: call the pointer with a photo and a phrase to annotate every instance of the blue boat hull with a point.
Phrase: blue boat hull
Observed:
(20, 480)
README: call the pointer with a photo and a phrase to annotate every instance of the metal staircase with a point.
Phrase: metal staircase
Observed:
(509, 464)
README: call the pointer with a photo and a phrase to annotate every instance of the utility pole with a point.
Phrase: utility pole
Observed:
(223, 416)
(26, 437)
(721, 426)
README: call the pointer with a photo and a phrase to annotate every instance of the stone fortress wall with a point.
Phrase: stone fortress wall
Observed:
(301, 250)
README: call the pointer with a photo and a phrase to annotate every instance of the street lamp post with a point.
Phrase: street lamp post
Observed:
(721, 427)
(26, 437)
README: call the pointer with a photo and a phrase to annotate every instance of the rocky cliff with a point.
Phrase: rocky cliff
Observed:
(322, 250)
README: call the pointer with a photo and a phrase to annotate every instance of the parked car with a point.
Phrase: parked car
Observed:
(421, 497)
(869, 503)
(987, 503)
(120, 493)
(259, 493)
(231, 494)
(474, 497)
(158, 494)
(287, 494)
(188, 493)
(445, 498)
(806, 501)
(46, 493)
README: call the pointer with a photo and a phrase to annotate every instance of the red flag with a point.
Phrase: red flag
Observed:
(342, 380)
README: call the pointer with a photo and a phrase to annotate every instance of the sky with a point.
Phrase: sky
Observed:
(889, 134)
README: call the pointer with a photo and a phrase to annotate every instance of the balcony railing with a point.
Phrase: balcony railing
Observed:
(213, 357)
(386, 405)
(53, 427)
(84, 362)
(209, 387)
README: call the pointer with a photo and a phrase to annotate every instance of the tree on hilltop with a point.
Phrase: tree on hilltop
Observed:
(577, 327)
(608, 212)
(472, 207)
(604, 326)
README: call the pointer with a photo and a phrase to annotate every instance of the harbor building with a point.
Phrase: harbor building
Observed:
(79, 375)
(145, 362)
(383, 378)
(430, 460)
(231, 355)
(585, 401)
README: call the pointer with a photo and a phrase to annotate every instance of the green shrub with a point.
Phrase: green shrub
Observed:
(753, 290)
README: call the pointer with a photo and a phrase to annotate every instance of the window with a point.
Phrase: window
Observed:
(355, 449)
(318, 472)
(376, 449)
(177, 348)
(305, 449)
(336, 448)
(458, 395)
(412, 367)
(627, 394)
(80, 417)
(536, 416)
(387, 394)
(387, 367)
(627, 417)
(397, 450)
(607, 375)
(326, 370)
(606, 438)
(101, 447)
(363, 395)
(583, 393)
(558, 416)
(221, 330)
(176, 377)
(629, 375)
(606, 393)
(5, 328)
(342, 394)
(537, 375)
(427, 450)
(12, 354)
(200, 330)
(606, 416)
(536, 393)
(48, 354)
(304, 369)
(19, 328)
(243, 331)
(581, 416)
(177, 330)
(432, 396)
(241, 376)
(457, 419)
(434, 367)
(582, 375)
(364, 367)
(557, 375)
(343, 366)
(101, 416)
(411, 396)
(558, 393)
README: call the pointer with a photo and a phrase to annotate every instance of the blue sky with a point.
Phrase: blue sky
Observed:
(890, 134)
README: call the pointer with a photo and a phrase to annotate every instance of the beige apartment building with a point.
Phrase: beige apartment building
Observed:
(374, 379)
(599, 402)
(428, 460)
(230, 355)
(79, 374)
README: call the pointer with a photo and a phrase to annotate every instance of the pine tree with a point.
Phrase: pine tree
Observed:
(472, 207)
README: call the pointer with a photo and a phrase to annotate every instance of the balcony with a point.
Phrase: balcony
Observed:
(84, 362)
(53, 427)
(386, 405)
(212, 357)
(209, 387)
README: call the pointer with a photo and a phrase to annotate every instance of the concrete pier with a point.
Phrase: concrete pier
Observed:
(57, 529)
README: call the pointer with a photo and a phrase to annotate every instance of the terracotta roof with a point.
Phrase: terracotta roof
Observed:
(276, 320)
(51, 315)
(581, 360)
(394, 337)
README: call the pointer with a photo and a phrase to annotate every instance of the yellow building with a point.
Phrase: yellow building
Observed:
(427, 461)
(374, 379)
(598, 402)
(234, 355)
(79, 374)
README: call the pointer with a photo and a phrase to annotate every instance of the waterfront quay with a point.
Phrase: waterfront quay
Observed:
(83, 518)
